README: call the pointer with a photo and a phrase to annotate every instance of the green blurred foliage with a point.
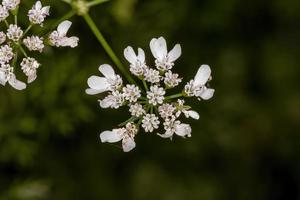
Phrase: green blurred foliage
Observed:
(245, 145)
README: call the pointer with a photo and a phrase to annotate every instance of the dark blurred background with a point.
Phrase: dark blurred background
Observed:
(245, 146)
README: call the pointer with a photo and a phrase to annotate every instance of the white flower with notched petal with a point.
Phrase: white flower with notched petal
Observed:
(11, 4)
(110, 81)
(164, 60)
(38, 13)
(7, 75)
(197, 86)
(6, 54)
(156, 95)
(150, 122)
(137, 62)
(113, 100)
(125, 134)
(59, 37)
(2, 37)
(181, 108)
(173, 126)
(34, 43)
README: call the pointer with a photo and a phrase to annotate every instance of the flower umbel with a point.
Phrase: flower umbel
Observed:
(13, 53)
(149, 105)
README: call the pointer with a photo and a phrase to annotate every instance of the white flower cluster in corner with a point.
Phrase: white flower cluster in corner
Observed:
(15, 39)
(150, 107)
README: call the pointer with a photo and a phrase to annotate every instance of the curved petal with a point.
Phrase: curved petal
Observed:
(152, 47)
(98, 83)
(193, 114)
(160, 47)
(63, 27)
(106, 102)
(2, 78)
(183, 130)
(45, 10)
(92, 91)
(167, 134)
(69, 42)
(141, 55)
(202, 75)
(128, 144)
(38, 5)
(175, 53)
(207, 93)
(130, 55)
(110, 136)
(107, 71)
(19, 85)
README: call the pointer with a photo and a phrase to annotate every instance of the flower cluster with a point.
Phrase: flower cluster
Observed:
(15, 39)
(150, 107)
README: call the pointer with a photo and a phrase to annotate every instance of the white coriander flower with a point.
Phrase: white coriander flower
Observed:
(3, 13)
(137, 62)
(29, 67)
(59, 37)
(11, 4)
(196, 87)
(150, 122)
(34, 43)
(2, 37)
(136, 110)
(171, 125)
(156, 95)
(166, 110)
(131, 93)
(164, 60)
(110, 81)
(38, 13)
(6, 54)
(14, 32)
(171, 79)
(181, 108)
(7, 75)
(125, 134)
(152, 75)
(113, 100)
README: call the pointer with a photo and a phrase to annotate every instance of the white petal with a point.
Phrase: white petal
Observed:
(38, 5)
(2, 78)
(128, 144)
(105, 103)
(160, 47)
(98, 83)
(63, 27)
(167, 134)
(46, 9)
(107, 71)
(129, 54)
(207, 93)
(19, 85)
(69, 41)
(183, 130)
(175, 53)
(152, 47)
(110, 136)
(202, 75)
(141, 55)
(92, 91)
(193, 114)
(32, 78)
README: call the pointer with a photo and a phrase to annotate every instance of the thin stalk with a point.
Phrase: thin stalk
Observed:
(106, 47)
(132, 119)
(16, 19)
(96, 2)
(6, 23)
(174, 96)
(28, 28)
(23, 51)
(15, 59)
(145, 85)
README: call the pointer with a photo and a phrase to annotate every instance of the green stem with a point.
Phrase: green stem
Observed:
(6, 23)
(96, 2)
(145, 85)
(132, 119)
(28, 28)
(15, 59)
(106, 47)
(23, 51)
(174, 96)
(16, 19)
